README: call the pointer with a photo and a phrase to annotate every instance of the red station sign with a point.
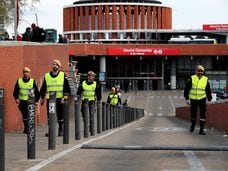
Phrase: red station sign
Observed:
(215, 27)
(143, 51)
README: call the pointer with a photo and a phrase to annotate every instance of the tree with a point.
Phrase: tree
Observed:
(7, 9)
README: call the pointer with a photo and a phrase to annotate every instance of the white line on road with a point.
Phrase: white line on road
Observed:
(173, 107)
(147, 102)
(193, 161)
(67, 151)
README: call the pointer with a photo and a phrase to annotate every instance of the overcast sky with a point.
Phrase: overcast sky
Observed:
(187, 14)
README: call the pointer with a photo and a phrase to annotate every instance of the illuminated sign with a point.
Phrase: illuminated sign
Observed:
(215, 27)
(143, 51)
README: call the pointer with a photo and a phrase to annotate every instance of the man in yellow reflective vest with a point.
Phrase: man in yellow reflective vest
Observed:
(90, 90)
(20, 93)
(113, 97)
(197, 94)
(55, 80)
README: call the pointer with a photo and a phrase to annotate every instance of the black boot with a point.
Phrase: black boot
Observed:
(201, 131)
(60, 131)
(193, 125)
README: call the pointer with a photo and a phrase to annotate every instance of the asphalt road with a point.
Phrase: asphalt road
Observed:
(159, 141)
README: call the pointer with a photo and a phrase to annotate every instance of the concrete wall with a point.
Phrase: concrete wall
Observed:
(13, 57)
(216, 115)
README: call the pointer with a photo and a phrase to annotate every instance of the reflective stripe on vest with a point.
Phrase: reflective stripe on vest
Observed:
(114, 99)
(55, 84)
(88, 91)
(198, 90)
(24, 88)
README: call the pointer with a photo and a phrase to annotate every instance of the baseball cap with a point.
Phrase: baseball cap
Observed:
(26, 69)
(200, 67)
(91, 73)
(57, 62)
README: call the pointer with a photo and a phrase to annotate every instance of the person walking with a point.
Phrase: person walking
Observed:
(56, 81)
(113, 98)
(89, 90)
(197, 93)
(21, 90)
(125, 103)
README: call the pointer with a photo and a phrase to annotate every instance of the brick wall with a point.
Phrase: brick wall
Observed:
(216, 115)
(12, 59)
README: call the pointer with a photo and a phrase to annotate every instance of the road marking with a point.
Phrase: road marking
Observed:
(147, 103)
(150, 114)
(162, 129)
(160, 114)
(173, 107)
(193, 161)
(69, 150)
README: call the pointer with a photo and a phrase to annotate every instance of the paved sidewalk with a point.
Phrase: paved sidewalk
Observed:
(16, 148)
(16, 143)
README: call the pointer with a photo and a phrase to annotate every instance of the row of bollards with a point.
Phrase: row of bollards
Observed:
(101, 114)
(108, 117)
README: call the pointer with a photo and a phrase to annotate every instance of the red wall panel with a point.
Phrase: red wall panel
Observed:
(39, 58)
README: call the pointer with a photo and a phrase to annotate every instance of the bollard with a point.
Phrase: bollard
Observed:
(124, 114)
(2, 132)
(77, 119)
(111, 116)
(92, 117)
(114, 116)
(121, 115)
(118, 117)
(134, 114)
(99, 117)
(107, 116)
(103, 116)
(66, 121)
(86, 118)
(52, 121)
(31, 134)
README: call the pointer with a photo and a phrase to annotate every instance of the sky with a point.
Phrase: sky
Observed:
(187, 14)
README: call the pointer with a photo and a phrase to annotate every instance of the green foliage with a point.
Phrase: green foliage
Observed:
(7, 10)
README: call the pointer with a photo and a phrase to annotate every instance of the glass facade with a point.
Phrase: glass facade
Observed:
(152, 73)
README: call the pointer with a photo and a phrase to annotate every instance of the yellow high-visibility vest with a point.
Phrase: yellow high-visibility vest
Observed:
(88, 91)
(55, 84)
(24, 88)
(113, 99)
(198, 90)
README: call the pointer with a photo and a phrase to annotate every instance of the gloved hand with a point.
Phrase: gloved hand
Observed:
(42, 101)
(188, 102)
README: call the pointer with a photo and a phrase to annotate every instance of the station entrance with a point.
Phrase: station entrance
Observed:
(130, 73)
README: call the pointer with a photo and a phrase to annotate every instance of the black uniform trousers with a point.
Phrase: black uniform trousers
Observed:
(201, 104)
(23, 107)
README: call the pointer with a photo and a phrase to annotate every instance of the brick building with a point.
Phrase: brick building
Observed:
(128, 42)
